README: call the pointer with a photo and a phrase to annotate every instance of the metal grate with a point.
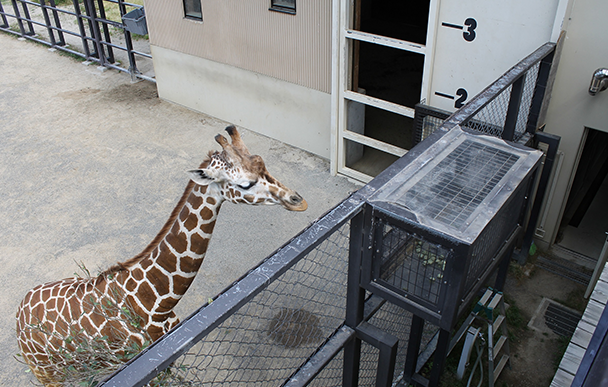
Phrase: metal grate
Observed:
(492, 238)
(456, 186)
(561, 320)
(411, 265)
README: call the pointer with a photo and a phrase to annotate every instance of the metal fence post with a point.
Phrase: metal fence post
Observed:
(83, 34)
(57, 22)
(4, 19)
(355, 298)
(20, 19)
(513, 109)
(132, 64)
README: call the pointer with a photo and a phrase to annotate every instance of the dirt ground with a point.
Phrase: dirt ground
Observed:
(536, 353)
(91, 164)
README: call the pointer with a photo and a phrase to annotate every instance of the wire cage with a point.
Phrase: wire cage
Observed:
(439, 224)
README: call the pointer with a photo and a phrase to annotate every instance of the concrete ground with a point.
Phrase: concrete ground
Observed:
(91, 166)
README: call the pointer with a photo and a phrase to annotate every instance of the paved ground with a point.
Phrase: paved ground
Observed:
(91, 165)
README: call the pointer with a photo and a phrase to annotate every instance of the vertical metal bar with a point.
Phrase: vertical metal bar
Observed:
(129, 43)
(355, 298)
(538, 97)
(47, 21)
(386, 363)
(413, 348)
(4, 19)
(387, 344)
(503, 270)
(28, 18)
(94, 26)
(513, 109)
(83, 34)
(18, 17)
(57, 23)
(553, 142)
(441, 353)
(106, 31)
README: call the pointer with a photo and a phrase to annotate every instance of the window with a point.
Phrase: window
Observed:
(287, 6)
(193, 10)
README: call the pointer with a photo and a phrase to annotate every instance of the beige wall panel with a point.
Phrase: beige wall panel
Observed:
(245, 34)
(571, 108)
(294, 114)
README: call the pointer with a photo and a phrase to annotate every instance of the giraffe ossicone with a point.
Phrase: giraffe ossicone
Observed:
(131, 304)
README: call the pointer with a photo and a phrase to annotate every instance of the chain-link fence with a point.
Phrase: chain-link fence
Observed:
(274, 320)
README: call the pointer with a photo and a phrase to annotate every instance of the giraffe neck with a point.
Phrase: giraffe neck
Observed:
(155, 283)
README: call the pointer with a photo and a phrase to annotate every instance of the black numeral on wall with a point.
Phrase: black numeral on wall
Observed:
(462, 93)
(469, 33)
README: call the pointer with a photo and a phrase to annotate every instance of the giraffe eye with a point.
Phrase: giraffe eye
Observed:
(248, 185)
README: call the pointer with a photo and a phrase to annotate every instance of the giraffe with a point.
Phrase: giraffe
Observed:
(131, 304)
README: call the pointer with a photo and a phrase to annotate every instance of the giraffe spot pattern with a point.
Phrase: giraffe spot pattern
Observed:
(149, 286)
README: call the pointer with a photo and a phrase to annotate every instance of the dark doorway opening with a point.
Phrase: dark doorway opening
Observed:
(388, 73)
(585, 218)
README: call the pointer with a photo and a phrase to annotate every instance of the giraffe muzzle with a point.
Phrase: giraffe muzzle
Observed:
(296, 203)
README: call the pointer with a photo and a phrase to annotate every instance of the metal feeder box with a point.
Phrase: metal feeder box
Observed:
(441, 225)
(135, 21)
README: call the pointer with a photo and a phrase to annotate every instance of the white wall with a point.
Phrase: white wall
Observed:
(571, 108)
(290, 113)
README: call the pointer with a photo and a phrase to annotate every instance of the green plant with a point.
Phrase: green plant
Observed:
(81, 359)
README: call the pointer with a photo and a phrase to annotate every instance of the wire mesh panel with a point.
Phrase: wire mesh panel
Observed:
(459, 183)
(489, 111)
(271, 335)
(410, 265)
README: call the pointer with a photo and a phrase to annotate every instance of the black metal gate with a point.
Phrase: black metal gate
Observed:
(94, 30)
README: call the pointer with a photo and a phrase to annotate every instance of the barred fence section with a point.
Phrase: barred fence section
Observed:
(91, 29)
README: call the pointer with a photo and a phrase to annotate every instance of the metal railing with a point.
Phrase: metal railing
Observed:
(284, 322)
(83, 23)
(509, 108)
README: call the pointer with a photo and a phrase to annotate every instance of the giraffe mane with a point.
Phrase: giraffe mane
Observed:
(126, 265)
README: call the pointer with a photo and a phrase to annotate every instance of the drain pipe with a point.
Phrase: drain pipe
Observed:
(598, 81)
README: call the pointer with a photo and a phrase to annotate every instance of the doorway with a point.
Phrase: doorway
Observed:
(585, 220)
(382, 76)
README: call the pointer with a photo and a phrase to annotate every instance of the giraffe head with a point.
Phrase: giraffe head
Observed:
(242, 177)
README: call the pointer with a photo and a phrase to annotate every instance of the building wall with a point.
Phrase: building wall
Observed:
(264, 70)
(571, 108)
(290, 113)
(245, 34)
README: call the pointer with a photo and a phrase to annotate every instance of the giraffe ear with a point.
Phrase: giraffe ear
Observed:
(200, 177)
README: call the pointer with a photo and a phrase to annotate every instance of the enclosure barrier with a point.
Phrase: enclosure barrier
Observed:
(511, 108)
(370, 290)
(42, 22)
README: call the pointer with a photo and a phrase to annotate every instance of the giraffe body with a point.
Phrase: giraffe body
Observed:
(131, 304)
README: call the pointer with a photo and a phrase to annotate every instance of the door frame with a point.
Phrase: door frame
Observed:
(343, 36)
